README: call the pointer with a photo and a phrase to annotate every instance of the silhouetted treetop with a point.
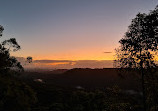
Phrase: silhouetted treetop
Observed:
(140, 42)
(8, 62)
(29, 59)
(11, 43)
(1, 30)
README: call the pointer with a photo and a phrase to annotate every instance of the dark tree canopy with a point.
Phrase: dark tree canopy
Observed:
(138, 50)
(140, 43)
(14, 94)
(1, 30)
(29, 59)
(7, 61)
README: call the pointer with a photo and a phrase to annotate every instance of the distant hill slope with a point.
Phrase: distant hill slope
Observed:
(98, 78)
(89, 78)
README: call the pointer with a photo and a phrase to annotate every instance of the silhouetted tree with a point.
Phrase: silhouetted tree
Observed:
(14, 94)
(8, 62)
(139, 45)
(29, 59)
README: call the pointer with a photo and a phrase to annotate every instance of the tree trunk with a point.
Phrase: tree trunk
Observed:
(143, 89)
(143, 85)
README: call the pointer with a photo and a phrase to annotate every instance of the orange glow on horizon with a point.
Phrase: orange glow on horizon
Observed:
(80, 54)
(70, 57)
(75, 57)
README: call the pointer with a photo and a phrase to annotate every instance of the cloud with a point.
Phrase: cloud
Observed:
(107, 52)
(51, 61)
(68, 64)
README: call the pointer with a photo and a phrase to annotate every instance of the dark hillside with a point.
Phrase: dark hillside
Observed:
(87, 78)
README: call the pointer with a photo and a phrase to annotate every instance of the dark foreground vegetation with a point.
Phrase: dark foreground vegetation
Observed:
(75, 90)
(86, 90)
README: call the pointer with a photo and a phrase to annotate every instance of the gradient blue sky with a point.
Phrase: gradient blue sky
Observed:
(69, 29)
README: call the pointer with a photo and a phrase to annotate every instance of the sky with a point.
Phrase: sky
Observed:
(69, 29)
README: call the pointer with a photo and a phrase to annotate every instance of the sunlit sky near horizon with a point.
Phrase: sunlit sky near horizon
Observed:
(69, 29)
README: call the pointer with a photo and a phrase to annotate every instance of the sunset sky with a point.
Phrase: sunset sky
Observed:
(69, 29)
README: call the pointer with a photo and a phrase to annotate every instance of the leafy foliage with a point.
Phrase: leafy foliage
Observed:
(29, 59)
(14, 94)
(138, 49)
(8, 62)
(139, 44)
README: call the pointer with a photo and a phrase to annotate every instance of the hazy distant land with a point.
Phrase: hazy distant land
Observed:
(66, 64)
